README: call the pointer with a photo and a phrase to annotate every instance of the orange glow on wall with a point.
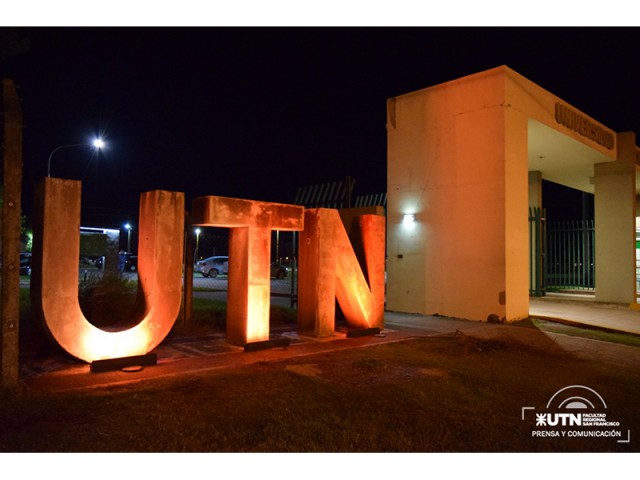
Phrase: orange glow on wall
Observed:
(251, 223)
(329, 270)
(55, 273)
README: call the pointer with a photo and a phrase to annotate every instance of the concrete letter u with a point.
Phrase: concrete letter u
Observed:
(55, 273)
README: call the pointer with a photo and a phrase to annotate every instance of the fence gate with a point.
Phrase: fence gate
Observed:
(570, 256)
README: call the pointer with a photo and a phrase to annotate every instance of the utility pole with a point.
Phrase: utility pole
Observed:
(187, 291)
(11, 196)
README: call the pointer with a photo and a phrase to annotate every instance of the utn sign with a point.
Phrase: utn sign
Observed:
(328, 269)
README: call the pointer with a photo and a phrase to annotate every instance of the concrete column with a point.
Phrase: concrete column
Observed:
(516, 224)
(535, 189)
(248, 299)
(316, 282)
(615, 212)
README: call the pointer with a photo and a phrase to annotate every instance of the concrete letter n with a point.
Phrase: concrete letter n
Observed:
(329, 269)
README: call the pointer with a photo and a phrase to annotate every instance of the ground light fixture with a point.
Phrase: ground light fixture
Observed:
(97, 144)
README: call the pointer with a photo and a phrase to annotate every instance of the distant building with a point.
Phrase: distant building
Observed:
(103, 243)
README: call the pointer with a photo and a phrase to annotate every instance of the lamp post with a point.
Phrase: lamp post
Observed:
(97, 143)
(128, 227)
(197, 242)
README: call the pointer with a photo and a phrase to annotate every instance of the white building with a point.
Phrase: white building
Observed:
(465, 163)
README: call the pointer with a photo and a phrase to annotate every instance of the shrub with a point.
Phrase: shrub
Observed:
(107, 300)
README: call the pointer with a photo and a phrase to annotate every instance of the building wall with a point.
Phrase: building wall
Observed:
(458, 162)
(455, 152)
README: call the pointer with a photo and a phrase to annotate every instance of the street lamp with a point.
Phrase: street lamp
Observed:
(197, 242)
(97, 144)
(128, 227)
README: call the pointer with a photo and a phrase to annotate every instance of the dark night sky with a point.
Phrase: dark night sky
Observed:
(256, 112)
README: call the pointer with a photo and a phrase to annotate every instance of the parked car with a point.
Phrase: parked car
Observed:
(25, 264)
(128, 262)
(278, 271)
(213, 266)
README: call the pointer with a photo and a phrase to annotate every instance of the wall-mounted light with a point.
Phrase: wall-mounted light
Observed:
(408, 220)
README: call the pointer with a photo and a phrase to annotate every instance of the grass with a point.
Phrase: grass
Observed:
(593, 333)
(209, 316)
(432, 394)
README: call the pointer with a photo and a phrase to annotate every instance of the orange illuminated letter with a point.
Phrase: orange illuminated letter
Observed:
(251, 223)
(55, 274)
(329, 269)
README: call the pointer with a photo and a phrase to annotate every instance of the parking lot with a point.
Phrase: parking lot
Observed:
(216, 288)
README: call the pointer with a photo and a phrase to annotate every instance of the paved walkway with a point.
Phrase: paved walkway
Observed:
(177, 356)
(582, 310)
(613, 353)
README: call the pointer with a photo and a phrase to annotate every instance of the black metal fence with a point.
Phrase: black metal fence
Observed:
(570, 256)
(537, 240)
(561, 254)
